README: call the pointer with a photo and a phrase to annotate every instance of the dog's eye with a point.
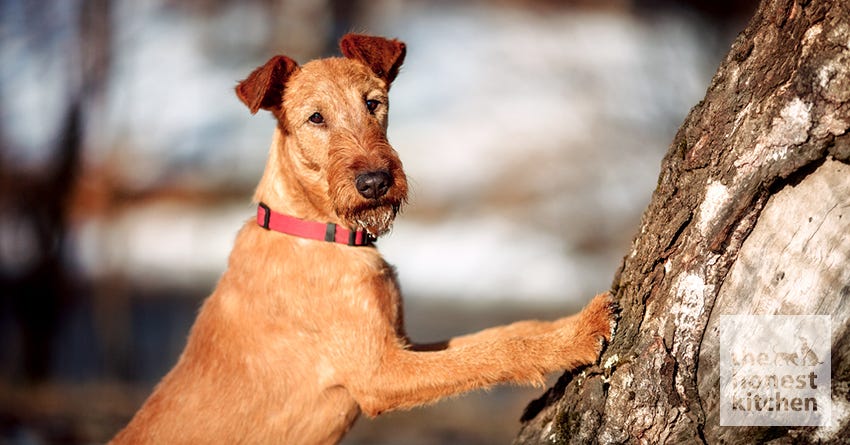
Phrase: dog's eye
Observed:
(317, 118)
(372, 105)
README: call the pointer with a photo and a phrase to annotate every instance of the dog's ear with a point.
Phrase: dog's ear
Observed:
(382, 56)
(263, 88)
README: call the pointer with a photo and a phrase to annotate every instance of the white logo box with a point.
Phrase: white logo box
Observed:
(775, 370)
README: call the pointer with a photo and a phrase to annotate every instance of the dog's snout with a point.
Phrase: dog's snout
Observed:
(373, 185)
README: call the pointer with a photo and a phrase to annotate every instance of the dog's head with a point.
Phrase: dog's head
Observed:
(333, 114)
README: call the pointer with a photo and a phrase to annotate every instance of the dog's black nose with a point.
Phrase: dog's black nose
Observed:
(373, 185)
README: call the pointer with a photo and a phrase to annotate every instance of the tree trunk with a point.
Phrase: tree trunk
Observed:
(751, 215)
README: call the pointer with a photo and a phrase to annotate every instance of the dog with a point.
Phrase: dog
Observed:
(304, 330)
(808, 356)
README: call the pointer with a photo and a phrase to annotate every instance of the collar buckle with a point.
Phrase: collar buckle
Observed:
(267, 216)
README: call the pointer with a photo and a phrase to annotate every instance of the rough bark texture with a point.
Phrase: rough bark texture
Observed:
(751, 215)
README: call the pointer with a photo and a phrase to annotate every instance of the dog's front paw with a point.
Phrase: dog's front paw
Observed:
(600, 316)
(584, 335)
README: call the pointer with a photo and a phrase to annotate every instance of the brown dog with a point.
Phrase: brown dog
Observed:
(304, 330)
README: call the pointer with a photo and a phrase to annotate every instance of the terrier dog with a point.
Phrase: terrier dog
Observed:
(304, 330)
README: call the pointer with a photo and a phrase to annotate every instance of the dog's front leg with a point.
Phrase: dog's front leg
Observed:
(404, 378)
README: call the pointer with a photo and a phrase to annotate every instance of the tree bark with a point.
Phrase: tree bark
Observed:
(751, 215)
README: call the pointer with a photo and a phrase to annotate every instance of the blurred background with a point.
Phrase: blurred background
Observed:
(531, 131)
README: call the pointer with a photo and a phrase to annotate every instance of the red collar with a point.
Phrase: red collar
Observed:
(330, 232)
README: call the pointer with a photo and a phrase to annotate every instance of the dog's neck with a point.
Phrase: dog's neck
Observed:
(282, 186)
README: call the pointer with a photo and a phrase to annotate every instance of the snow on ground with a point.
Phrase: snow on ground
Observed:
(161, 245)
(488, 259)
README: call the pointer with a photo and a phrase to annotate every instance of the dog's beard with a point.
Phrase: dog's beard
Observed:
(375, 219)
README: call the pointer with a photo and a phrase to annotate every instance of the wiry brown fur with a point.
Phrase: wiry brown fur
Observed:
(300, 336)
